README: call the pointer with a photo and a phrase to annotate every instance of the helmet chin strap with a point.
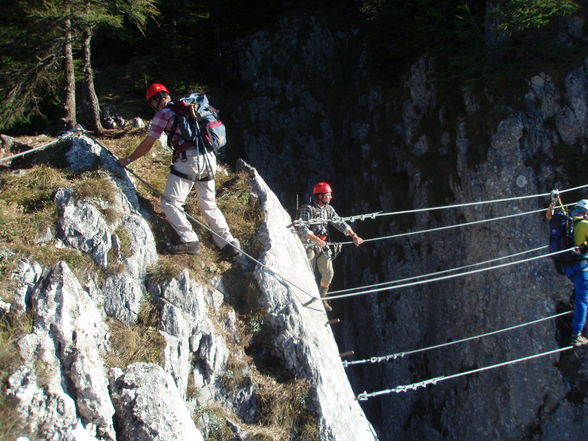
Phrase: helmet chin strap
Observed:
(158, 103)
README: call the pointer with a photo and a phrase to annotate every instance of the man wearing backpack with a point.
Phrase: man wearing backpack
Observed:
(192, 166)
(314, 235)
(578, 272)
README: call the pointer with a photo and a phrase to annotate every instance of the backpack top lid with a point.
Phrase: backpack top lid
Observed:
(201, 101)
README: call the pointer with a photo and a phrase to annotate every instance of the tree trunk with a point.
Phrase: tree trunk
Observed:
(90, 103)
(70, 79)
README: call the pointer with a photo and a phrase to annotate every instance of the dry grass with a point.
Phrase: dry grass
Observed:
(95, 185)
(27, 210)
(7, 267)
(241, 209)
(283, 414)
(140, 342)
(283, 407)
(26, 203)
(214, 421)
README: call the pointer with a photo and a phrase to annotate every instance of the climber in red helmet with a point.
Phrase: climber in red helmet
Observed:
(191, 174)
(314, 235)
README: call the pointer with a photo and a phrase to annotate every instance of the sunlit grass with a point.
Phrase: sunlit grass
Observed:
(139, 342)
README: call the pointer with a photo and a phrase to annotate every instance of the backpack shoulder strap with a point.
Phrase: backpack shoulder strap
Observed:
(172, 133)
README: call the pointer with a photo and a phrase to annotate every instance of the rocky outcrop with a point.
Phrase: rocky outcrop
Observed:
(303, 338)
(62, 386)
(66, 390)
(149, 406)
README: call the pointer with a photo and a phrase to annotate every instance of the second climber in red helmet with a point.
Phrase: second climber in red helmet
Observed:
(187, 172)
(313, 232)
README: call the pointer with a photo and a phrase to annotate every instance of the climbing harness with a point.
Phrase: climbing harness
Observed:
(335, 250)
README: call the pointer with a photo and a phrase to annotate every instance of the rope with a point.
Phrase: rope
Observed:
(451, 276)
(44, 146)
(419, 210)
(396, 355)
(447, 227)
(341, 291)
(159, 194)
(364, 396)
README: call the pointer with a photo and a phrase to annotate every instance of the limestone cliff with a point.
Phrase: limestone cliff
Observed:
(64, 388)
(399, 146)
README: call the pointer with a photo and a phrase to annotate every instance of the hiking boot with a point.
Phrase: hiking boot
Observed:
(230, 251)
(323, 290)
(183, 248)
(579, 340)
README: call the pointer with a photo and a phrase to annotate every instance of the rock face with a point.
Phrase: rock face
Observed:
(150, 406)
(398, 148)
(65, 389)
(304, 340)
(62, 385)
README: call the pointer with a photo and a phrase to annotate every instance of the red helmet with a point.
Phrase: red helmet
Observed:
(321, 187)
(154, 89)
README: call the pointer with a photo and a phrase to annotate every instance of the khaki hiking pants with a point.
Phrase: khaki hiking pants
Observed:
(323, 263)
(177, 190)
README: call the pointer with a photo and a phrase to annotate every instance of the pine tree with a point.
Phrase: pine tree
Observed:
(62, 26)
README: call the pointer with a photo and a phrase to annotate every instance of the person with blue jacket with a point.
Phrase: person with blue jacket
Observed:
(578, 273)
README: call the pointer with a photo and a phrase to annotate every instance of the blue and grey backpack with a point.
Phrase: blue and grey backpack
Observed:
(561, 237)
(206, 128)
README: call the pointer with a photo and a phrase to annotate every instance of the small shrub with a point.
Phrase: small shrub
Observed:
(213, 420)
(520, 15)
